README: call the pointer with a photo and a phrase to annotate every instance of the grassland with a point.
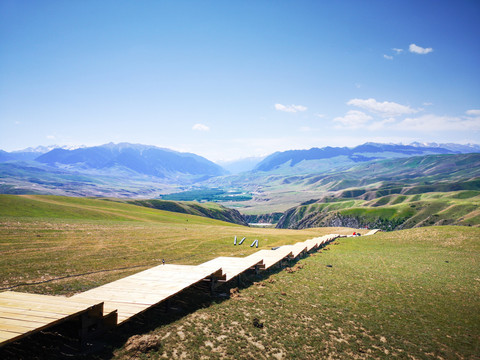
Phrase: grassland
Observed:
(411, 294)
(388, 212)
(93, 241)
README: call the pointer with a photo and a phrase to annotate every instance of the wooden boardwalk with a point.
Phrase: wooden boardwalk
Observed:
(23, 314)
(134, 294)
(231, 266)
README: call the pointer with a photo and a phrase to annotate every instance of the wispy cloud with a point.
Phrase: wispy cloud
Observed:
(200, 127)
(290, 108)
(433, 123)
(473, 112)
(384, 109)
(396, 51)
(353, 119)
(419, 50)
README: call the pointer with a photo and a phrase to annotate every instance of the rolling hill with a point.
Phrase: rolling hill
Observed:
(280, 182)
(390, 212)
(409, 175)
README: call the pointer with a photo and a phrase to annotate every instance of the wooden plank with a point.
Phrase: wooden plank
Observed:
(57, 308)
(27, 312)
(7, 336)
(15, 328)
(38, 317)
(40, 307)
(24, 323)
(271, 257)
(27, 304)
(22, 314)
(147, 288)
(42, 299)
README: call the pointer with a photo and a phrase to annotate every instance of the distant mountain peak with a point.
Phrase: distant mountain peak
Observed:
(323, 158)
(142, 159)
(44, 149)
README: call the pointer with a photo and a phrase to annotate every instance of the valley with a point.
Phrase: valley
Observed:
(296, 189)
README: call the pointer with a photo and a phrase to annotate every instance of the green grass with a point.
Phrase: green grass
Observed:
(47, 237)
(394, 211)
(409, 294)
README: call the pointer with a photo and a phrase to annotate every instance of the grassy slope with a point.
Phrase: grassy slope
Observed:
(404, 211)
(411, 294)
(414, 175)
(208, 209)
(45, 237)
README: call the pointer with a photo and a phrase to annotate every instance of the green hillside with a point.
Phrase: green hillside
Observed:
(413, 175)
(93, 241)
(210, 210)
(409, 294)
(388, 212)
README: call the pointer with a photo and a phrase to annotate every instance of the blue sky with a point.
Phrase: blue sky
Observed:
(232, 79)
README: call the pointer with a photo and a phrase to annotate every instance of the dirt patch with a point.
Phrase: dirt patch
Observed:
(294, 269)
(143, 343)
(234, 293)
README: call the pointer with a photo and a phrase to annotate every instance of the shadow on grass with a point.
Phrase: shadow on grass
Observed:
(62, 341)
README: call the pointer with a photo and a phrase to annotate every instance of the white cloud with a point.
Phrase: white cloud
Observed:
(321, 116)
(290, 108)
(398, 51)
(473, 112)
(353, 119)
(433, 123)
(384, 109)
(51, 137)
(388, 57)
(419, 50)
(200, 127)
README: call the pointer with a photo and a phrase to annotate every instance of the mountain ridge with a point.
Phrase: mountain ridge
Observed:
(349, 156)
(143, 159)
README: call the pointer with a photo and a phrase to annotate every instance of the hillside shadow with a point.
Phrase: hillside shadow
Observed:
(62, 341)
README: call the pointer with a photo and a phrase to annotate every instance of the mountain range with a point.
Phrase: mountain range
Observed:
(141, 159)
(142, 171)
(327, 158)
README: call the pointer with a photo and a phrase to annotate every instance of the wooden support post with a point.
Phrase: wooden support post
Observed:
(91, 324)
(168, 304)
(213, 283)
